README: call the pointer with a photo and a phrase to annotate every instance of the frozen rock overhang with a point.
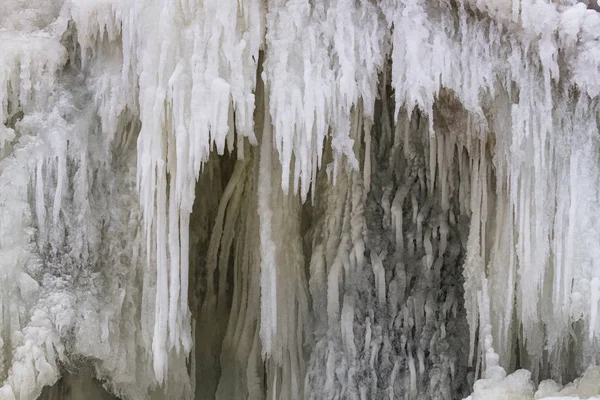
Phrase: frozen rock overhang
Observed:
(288, 199)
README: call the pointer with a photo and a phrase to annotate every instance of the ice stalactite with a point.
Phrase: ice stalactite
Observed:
(393, 294)
(320, 60)
(284, 285)
(294, 199)
(185, 85)
(238, 294)
(60, 270)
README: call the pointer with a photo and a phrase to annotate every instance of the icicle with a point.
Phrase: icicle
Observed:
(367, 161)
(268, 266)
(379, 274)
(595, 292)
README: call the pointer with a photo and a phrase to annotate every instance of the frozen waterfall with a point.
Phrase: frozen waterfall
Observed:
(299, 199)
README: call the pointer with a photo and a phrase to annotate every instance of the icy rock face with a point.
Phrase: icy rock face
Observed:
(225, 199)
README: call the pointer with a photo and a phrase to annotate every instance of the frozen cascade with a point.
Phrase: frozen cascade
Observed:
(268, 199)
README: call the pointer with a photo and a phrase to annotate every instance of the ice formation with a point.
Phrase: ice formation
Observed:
(288, 199)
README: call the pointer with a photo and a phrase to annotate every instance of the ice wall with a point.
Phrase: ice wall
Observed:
(294, 199)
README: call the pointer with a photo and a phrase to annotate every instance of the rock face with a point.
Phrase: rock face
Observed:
(288, 199)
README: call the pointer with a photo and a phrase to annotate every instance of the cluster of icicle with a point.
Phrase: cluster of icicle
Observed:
(293, 199)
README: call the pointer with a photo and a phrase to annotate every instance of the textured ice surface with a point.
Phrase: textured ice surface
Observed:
(299, 199)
